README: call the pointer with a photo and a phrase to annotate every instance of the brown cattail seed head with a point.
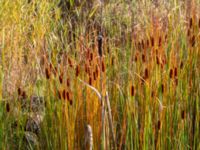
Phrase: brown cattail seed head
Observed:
(24, 96)
(136, 58)
(175, 72)
(132, 90)
(50, 66)
(181, 65)
(103, 66)
(64, 94)
(199, 22)
(183, 114)
(47, 73)
(146, 73)
(59, 94)
(160, 41)
(90, 81)
(7, 107)
(193, 41)
(143, 58)
(100, 41)
(94, 75)
(97, 71)
(70, 101)
(162, 88)
(176, 81)
(67, 94)
(171, 74)
(165, 37)
(152, 41)
(91, 56)
(70, 62)
(143, 44)
(68, 82)
(159, 125)
(77, 70)
(188, 32)
(157, 60)
(191, 22)
(61, 78)
(147, 42)
(112, 61)
(19, 91)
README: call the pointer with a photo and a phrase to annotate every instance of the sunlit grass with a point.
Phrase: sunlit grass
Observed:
(149, 68)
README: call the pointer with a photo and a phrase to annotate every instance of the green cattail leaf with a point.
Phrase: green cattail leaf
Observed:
(93, 11)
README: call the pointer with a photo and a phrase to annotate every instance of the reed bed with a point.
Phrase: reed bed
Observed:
(106, 74)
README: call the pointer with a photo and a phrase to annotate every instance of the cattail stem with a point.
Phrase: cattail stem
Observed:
(100, 40)
(110, 120)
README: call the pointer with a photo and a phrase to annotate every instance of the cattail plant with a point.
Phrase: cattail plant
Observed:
(152, 41)
(91, 56)
(102, 69)
(61, 78)
(112, 61)
(143, 58)
(7, 107)
(157, 60)
(162, 88)
(94, 75)
(100, 41)
(175, 72)
(77, 70)
(103, 66)
(19, 91)
(146, 73)
(90, 81)
(160, 41)
(143, 45)
(171, 74)
(136, 57)
(132, 90)
(181, 65)
(47, 73)
(188, 32)
(68, 82)
(192, 41)
(147, 42)
(21, 94)
(64, 94)
(191, 23)
(59, 94)
(67, 96)
(159, 125)
(70, 62)
(97, 71)
(199, 23)
(182, 114)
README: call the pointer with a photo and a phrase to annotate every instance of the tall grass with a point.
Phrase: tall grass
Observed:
(148, 73)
